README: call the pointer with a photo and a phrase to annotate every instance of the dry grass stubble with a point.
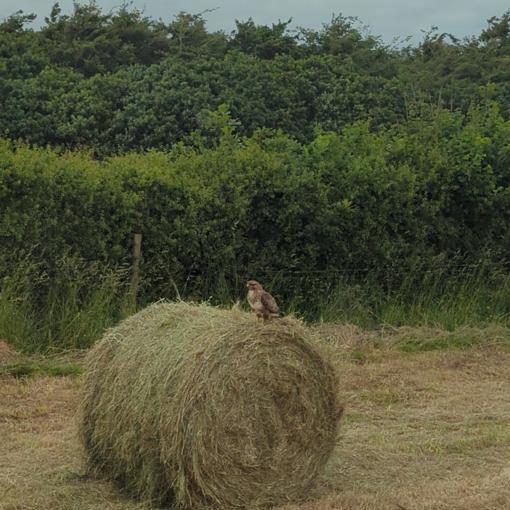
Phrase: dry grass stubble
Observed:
(424, 431)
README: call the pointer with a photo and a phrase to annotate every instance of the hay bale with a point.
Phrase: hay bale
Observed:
(205, 408)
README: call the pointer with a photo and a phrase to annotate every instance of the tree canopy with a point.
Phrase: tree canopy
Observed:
(120, 81)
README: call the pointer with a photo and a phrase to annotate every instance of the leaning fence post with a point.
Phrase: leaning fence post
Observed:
(135, 274)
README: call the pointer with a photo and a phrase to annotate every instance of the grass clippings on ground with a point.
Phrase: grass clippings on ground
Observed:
(422, 431)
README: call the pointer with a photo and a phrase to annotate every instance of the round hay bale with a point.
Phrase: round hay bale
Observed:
(198, 407)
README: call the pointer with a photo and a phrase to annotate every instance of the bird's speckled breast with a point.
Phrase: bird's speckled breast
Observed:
(254, 300)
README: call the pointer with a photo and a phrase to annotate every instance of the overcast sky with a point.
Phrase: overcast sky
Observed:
(388, 18)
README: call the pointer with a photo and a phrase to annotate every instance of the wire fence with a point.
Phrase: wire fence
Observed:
(342, 272)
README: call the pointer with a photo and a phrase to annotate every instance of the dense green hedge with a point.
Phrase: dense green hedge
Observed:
(269, 206)
(119, 81)
(155, 107)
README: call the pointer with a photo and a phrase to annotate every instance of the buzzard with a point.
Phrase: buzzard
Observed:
(261, 302)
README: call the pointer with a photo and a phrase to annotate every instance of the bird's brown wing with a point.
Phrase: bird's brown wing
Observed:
(269, 303)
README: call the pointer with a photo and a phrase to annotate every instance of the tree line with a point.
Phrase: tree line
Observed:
(121, 81)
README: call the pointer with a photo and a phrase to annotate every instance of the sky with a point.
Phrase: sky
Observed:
(387, 18)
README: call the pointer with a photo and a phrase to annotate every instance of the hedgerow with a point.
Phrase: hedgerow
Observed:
(215, 213)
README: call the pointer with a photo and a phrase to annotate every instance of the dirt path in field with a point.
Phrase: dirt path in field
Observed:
(421, 432)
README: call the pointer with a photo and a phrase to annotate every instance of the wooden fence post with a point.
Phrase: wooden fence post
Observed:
(135, 275)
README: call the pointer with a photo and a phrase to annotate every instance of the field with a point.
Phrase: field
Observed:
(364, 180)
(428, 429)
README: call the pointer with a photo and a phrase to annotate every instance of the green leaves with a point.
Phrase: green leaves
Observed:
(119, 81)
(436, 186)
(281, 150)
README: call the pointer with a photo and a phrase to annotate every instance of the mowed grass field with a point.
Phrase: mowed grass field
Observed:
(423, 429)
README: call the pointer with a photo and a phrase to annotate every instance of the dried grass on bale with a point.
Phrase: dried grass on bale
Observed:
(199, 407)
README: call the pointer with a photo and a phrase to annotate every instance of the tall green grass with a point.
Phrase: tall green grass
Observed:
(437, 292)
(72, 306)
(446, 298)
(67, 309)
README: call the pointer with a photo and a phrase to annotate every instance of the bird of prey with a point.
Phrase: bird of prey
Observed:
(261, 302)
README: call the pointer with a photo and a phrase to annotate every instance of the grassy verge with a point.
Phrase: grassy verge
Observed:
(474, 296)
(25, 369)
(71, 308)
(41, 312)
